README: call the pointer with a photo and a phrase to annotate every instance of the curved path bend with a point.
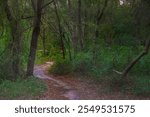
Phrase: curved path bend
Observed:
(41, 72)
(71, 88)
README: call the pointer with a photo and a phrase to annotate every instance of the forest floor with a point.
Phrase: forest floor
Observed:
(73, 88)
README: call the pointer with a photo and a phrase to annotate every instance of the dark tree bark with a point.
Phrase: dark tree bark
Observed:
(99, 16)
(80, 32)
(69, 5)
(72, 28)
(37, 6)
(60, 30)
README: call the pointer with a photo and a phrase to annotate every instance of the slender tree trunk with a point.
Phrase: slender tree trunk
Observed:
(75, 39)
(80, 32)
(69, 5)
(44, 42)
(99, 16)
(60, 31)
(35, 36)
(68, 46)
(72, 28)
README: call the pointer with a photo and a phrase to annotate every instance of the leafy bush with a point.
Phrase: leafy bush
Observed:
(61, 67)
(82, 63)
(41, 58)
(21, 88)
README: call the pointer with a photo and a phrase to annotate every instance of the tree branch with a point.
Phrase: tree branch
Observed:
(8, 11)
(102, 12)
(47, 4)
(130, 66)
(27, 17)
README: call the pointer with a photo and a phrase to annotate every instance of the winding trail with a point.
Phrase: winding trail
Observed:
(68, 91)
(74, 87)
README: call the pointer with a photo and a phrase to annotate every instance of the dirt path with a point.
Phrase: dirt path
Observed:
(68, 87)
(57, 89)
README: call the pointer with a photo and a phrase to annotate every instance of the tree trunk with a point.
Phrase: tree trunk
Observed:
(99, 16)
(69, 5)
(15, 44)
(72, 28)
(44, 42)
(35, 35)
(80, 32)
(60, 31)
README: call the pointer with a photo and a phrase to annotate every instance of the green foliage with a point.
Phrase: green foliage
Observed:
(41, 58)
(142, 85)
(122, 56)
(143, 66)
(21, 88)
(61, 67)
(82, 63)
(137, 85)
(5, 70)
(122, 28)
(107, 60)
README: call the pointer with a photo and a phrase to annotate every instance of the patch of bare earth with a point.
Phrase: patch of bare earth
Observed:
(89, 90)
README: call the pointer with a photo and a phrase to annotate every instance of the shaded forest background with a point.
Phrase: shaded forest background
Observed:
(106, 40)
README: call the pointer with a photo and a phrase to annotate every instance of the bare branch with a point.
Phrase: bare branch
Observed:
(130, 66)
(27, 17)
(100, 15)
(47, 4)
(120, 73)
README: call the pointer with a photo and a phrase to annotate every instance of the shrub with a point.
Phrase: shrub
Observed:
(82, 63)
(61, 67)
(41, 58)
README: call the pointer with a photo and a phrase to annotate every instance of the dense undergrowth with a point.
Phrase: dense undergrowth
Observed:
(98, 35)
(21, 89)
(101, 69)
